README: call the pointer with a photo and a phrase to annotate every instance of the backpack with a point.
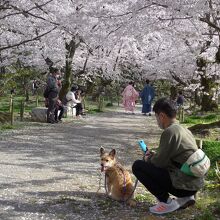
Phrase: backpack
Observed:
(46, 93)
(197, 164)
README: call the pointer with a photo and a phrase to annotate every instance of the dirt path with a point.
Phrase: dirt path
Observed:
(52, 171)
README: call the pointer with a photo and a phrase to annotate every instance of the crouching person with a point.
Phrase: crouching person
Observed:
(160, 173)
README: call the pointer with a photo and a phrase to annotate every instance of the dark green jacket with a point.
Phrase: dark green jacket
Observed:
(176, 145)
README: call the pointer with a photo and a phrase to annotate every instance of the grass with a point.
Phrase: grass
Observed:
(7, 127)
(195, 119)
(146, 197)
(212, 149)
(206, 215)
(91, 107)
(5, 103)
(209, 206)
(93, 110)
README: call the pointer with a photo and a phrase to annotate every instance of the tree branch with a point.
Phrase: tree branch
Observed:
(26, 41)
(211, 24)
(21, 11)
(174, 18)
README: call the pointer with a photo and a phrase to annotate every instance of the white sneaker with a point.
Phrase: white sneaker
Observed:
(163, 208)
(185, 202)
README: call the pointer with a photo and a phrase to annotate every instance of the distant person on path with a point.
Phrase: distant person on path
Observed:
(180, 99)
(53, 91)
(34, 87)
(130, 96)
(147, 96)
(160, 172)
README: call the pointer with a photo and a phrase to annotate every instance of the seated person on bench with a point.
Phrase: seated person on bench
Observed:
(74, 101)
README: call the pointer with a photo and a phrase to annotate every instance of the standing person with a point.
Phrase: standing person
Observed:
(53, 91)
(147, 96)
(73, 101)
(34, 87)
(160, 172)
(130, 95)
(59, 107)
(180, 99)
(80, 96)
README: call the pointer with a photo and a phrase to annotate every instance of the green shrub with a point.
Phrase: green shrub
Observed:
(195, 119)
(211, 117)
(109, 104)
(93, 110)
(7, 127)
(217, 171)
(212, 149)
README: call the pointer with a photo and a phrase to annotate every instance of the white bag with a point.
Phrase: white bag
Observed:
(197, 164)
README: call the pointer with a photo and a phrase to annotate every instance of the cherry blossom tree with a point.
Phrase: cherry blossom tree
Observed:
(159, 39)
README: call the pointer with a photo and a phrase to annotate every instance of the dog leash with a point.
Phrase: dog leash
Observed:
(135, 186)
(100, 179)
(124, 184)
(124, 179)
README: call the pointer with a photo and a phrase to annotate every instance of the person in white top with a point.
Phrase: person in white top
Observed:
(73, 101)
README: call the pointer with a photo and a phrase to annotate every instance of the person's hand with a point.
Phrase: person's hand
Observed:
(148, 155)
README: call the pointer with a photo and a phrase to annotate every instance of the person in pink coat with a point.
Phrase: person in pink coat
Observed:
(130, 96)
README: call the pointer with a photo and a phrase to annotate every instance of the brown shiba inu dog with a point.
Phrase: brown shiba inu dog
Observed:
(118, 180)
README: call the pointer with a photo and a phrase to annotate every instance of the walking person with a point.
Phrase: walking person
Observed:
(147, 96)
(180, 99)
(34, 87)
(160, 173)
(130, 96)
(53, 91)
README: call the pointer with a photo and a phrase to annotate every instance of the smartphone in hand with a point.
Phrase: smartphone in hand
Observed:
(143, 146)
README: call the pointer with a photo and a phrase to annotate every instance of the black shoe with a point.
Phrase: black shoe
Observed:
(149, 114)
(51, 122)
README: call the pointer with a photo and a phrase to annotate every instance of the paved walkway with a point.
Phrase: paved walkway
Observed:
(52, 171)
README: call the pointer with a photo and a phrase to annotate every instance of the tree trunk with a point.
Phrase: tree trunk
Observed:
(25, 86)
(208, 104)
(197, 98)
(173, 92)
(67, 80)
(70, 51)
(26, 95)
